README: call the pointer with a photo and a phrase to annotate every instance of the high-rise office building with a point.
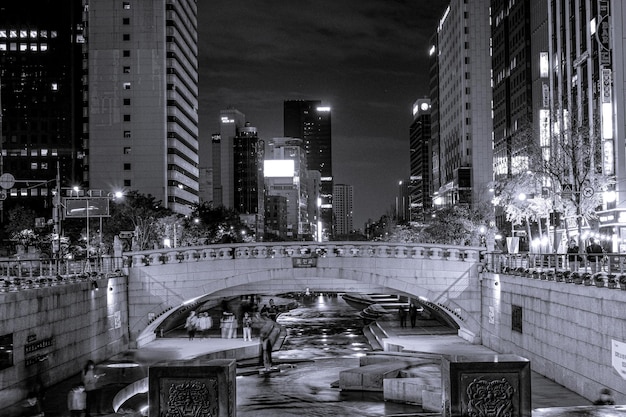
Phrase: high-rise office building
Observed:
(586, 76)
(231, 122)
(41, 100)
(464, 135)
(142, 97)
(311, 122)
(285, 172)
(420, 162)
(343, 196)
(249, 198)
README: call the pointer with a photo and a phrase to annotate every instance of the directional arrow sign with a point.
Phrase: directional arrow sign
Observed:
(618, 353)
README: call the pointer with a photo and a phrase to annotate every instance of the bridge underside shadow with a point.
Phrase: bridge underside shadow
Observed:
(337, 280)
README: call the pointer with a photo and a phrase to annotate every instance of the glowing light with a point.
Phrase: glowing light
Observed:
(607, 121)
(610, 196)
(279, 168)
(323, 109)
(432, 50)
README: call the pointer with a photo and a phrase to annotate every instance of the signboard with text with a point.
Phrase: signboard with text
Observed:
(86, 207)
(618, 353)
(304, 262)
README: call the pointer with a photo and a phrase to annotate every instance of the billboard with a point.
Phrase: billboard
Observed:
(86, 207)
(282, 168)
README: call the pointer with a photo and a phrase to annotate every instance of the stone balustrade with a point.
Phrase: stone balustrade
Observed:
(258, 250)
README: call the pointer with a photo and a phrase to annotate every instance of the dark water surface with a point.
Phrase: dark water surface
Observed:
(324, 337)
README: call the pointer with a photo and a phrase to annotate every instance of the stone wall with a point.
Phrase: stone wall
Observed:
(55, 329)
(566, 330)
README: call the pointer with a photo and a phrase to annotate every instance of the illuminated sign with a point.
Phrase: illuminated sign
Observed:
(543, 65)
(280, 168)
(608, 156)
(603, 34)
(323, 109)
(86, 207)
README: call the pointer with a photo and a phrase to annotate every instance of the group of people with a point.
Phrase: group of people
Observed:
(594, 252)
(198, 323)
(412, 313)
(85, 397)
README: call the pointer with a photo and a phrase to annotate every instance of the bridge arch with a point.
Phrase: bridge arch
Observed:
(444, 277)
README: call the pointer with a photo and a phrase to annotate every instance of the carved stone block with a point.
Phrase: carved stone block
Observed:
(193, 389)
(486, 386)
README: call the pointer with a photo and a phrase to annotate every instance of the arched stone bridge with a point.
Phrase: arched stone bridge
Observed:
(164, 280)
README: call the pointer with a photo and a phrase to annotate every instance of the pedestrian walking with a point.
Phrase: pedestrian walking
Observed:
(77, 401)
(246, 322)
(402, 315)
(594, 255)
(413, 314)
(191, 324)
(573, 256)
(90, 382)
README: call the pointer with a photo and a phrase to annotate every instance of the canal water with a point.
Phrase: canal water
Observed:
(324, 337)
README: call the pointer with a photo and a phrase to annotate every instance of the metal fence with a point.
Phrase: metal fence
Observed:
(17, 274)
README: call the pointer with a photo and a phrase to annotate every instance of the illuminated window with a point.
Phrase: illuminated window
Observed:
(3, 34)
(23, 34)
(44, 165)
(43, 47)
(3, 46)
(43, 33)
(33, 152)
(55, 86)
(34, 165)
(127, 150)
(126, 5)
(127, 133)
(44, 152)
(126, 70)
(53, 33)
(33, 47)
(33, 34)
(13, 34)
(126, 86)
(23, 47)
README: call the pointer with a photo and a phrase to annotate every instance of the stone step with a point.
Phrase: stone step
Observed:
(370, 377)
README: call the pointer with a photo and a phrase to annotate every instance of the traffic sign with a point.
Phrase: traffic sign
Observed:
(588, 192)
(7, 181)
(566, 190)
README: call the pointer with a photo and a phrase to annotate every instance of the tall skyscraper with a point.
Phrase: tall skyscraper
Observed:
(248, 154)
(464, 103)
(343, 196)
(231, 122)
(41, 45)
(142, 99)
(311, 122)
(420, 161)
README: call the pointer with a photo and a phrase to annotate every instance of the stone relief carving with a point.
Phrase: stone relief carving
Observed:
(490, 398)
(191, 399)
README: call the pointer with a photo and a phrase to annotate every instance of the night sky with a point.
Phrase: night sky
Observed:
(367, 59)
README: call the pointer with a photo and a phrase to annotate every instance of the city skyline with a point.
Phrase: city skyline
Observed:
(366, 60)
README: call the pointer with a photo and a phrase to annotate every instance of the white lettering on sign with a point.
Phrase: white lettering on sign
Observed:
(618, 353)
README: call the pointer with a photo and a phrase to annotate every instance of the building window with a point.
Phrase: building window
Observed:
(126, 167)
(127, 117)
(126, 5)
(126, 37)
(127, 102)
(126, 86)
(126, 21)
(516, 318)
(126, 70)
(126, 183)
(125, 53)
(126, 150)
(127, 133)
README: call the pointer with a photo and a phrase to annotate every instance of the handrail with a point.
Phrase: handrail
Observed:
(264, 250)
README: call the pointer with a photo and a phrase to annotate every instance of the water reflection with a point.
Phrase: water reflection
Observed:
(324, 337)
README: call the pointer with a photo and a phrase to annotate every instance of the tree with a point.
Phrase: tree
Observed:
(140, 213)
(208, 224)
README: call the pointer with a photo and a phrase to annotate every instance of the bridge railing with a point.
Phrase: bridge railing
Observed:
(19, 274)
(301, 250)
(607, 268)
